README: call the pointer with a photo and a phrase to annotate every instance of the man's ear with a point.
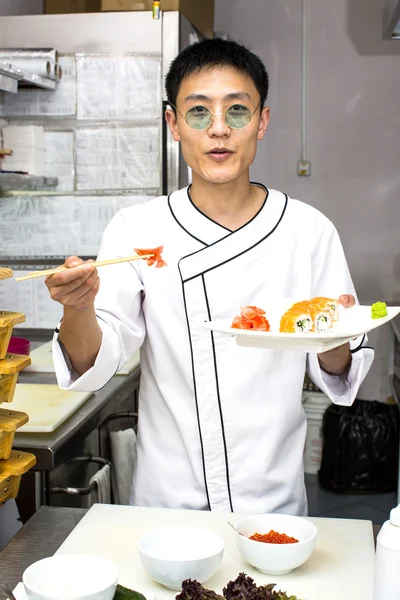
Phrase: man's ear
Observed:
(172, 121)
(262, 127)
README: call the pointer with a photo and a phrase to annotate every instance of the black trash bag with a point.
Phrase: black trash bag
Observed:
(360, 448)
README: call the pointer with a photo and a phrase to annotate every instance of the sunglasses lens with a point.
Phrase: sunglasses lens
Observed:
(238, 116)
(198, 117)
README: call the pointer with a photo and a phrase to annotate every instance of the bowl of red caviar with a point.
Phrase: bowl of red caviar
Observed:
(275, 544)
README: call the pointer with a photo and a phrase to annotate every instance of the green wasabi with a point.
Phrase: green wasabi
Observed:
(378, 310)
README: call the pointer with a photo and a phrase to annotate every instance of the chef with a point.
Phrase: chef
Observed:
(221, 427)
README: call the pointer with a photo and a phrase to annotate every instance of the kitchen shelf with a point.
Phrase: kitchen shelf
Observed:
(15, 182)
(51, 192)
(36, 262)
(25, 78)
(8, 84)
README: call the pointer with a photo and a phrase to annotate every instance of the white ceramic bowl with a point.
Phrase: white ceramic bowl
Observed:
(276, 559)
(173, 554)
(71, 576)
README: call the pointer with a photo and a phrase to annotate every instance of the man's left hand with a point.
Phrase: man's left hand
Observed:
(338, 360)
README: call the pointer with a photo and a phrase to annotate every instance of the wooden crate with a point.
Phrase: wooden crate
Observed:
(7, 386)
(8, 320)
(10, 421)
(10, 366)
(11, 471)
(14, 363)
(9, 487)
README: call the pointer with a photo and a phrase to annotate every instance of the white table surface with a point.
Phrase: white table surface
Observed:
(42, 361)
(341, 566)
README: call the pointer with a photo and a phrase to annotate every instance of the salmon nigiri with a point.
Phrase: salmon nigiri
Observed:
(156, 259)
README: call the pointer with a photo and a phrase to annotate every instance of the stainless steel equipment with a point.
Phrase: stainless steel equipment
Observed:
(97, 99)
(391, 20)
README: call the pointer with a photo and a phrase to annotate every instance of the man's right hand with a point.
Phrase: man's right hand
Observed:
(76, 287)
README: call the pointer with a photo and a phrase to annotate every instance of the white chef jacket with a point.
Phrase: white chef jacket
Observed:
(221, 427)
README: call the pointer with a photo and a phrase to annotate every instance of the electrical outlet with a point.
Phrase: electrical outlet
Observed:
(304, 168)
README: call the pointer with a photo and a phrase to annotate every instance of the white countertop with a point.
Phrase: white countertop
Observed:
(42, 361)
(341, 567)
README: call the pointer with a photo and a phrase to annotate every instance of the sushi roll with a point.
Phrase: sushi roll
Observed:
(322, 317)
(296, 320)
(330, 302)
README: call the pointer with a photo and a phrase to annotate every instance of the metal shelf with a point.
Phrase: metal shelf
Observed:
(25, 78)
(7, 84)
(32, 263)
(52, 193)
(15, 182)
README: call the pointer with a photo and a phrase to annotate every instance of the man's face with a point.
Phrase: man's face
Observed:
(218, 153)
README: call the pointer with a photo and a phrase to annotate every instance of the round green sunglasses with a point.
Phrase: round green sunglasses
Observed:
(236, 116)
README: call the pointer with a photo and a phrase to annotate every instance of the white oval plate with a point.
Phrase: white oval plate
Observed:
(352, 323)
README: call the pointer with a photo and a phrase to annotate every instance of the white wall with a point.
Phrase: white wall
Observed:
(21, 7)
(353, 131)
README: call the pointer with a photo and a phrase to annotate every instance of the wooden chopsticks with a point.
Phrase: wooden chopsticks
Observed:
(100, 263)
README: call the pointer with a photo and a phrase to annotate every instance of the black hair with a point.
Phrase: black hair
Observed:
(216, 52)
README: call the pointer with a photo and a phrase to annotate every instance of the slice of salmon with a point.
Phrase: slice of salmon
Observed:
(156, 259)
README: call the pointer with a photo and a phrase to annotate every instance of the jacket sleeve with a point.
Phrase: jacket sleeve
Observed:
(119, 314)
(331, 278)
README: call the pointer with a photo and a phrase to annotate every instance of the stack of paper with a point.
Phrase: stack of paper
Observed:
(27, 143)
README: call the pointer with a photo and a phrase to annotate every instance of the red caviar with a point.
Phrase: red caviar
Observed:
(273, 537)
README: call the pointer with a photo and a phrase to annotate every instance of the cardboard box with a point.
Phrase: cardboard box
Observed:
(61, 7)
(199, 13)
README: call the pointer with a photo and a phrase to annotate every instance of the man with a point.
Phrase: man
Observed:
(221, 427)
